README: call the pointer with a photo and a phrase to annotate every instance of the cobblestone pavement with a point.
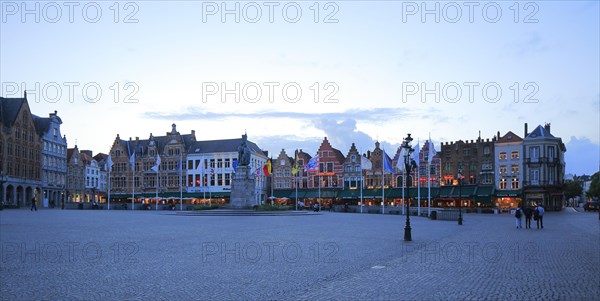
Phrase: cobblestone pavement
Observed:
(123, 255)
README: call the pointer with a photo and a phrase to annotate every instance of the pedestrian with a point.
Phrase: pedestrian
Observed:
(33, 204)
(518, 215)
(528, 213)
(540, 220)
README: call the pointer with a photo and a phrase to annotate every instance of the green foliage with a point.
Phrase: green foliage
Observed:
(594, 190)
(573, 189)
(206, 207)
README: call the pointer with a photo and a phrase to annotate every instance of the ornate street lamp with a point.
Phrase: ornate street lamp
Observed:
(460, 219)
(408, 164)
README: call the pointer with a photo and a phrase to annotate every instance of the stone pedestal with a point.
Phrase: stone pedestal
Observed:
(243, 188)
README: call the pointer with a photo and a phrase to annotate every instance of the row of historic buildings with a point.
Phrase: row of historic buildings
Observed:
(503, 171)
(35, 162)
(499, 171)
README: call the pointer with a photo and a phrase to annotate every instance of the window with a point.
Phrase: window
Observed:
(514, 183)
(502, 183)
(503, 169)
(486, 150)
(502, 156)
(514, 155)
(534, 153)
(55, 132)
(227, 163)
(534, 176)
(514, 169)
(353, 159)
(329, 166)
(357, 168)
(348, 168)
(466, 152)
(219, 163)
(551, 153)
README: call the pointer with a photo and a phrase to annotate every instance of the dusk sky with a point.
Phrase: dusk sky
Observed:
(498, 65)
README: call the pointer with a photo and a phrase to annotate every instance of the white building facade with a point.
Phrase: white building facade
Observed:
(211, 166)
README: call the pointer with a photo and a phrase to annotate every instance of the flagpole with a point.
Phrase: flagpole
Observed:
(108, 207)
(418, 180)
(203, 188)
(403, 185)
(157, 170)
(429, 161)
(180, 182)
(419, 190)
(362, 182)
(133, 181)
(383, 182)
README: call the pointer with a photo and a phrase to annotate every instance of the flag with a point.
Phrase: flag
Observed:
(258, 172)
(295, 167)
(212, 171)
(365, 163)
(400, 163)
(416, 155)
(132, 161)
(156, 167)
(267, 168)
(387, 165)
(234, 165)
(432, 151)
(109, 163)
(313, 164)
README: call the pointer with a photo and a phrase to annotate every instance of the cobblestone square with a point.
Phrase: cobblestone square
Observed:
(124, 255)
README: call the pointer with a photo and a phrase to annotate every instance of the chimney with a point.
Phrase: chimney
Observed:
(547, 127)
(193, 132)
(137, 138)
(498, 135)
(525, 130)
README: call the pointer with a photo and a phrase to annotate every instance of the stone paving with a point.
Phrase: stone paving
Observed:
(124, 255)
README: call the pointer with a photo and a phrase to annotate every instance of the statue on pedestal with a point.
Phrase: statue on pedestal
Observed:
(244, 152)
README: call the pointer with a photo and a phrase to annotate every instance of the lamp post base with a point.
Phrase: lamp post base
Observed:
(460, 220)
(407, 233)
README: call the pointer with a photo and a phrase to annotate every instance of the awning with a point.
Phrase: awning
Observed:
(465, 191)
(485, 190)
(508, 193)
(445, 191)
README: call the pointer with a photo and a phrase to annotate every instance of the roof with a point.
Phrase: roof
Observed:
(42, 125)
(539, 132)
(509, 137)
(86, 158)
(219, 146)
(9, 109)
(141, 146)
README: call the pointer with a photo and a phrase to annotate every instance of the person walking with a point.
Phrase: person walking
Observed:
(528, 213)
(33, 204)
(540, 212)
(518, 215)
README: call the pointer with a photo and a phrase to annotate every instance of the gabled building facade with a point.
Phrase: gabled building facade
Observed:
(54, 159)
(544, 168)
(331, 167)
(373, 177)
(134, 160)
(75, 176)
(282, 171)
(353, 178)
(20, 154)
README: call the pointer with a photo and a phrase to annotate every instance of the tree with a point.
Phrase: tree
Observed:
(573, 189)
(594, 190)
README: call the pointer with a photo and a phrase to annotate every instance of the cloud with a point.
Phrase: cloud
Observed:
(582, 156)
(195, 113)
